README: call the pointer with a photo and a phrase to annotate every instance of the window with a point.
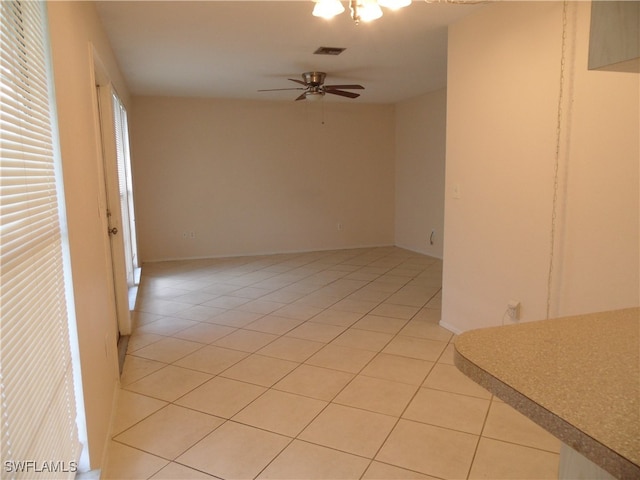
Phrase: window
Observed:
(39, 430)
(125, 188)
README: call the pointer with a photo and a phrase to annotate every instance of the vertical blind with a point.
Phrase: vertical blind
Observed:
(39, 432)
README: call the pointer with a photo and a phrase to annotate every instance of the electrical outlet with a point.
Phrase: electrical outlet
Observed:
(185, 234)
(513, 310)
(340, 227)
(192, 234)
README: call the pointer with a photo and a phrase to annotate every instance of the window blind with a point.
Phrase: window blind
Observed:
(39, 432)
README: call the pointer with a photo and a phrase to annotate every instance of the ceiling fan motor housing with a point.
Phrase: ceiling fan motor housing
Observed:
(315, 79)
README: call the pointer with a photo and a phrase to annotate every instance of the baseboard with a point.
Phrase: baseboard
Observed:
(266, 253)
(450, 327)
(418, 250)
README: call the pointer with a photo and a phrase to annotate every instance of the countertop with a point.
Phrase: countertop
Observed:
(578, 377)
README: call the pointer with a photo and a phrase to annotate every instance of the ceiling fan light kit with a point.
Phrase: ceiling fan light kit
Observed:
(313, 96)
(361, 10)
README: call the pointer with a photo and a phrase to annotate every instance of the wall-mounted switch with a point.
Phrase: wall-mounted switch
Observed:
(456, 190)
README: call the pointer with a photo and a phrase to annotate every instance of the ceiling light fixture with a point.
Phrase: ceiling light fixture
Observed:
(361, 10)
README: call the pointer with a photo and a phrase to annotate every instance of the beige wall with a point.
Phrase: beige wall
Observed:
(501, 129)
(254, 177)
(420, 165)
(73, 25)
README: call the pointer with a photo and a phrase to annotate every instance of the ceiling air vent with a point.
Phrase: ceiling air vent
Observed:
(329, 51)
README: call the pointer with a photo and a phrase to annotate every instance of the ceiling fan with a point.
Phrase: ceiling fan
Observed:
(314, 87)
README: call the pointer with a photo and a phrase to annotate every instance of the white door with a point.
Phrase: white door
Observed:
(116, 228)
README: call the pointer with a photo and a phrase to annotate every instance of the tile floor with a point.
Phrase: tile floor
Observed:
(327, 365)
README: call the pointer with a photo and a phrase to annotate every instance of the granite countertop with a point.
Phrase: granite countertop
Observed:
(578, 377)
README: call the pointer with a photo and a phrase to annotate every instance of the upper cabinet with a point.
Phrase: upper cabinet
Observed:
(614, 40)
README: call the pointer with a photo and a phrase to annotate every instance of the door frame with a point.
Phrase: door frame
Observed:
(109, 205)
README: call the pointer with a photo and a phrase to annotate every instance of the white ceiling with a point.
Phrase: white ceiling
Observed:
(230, 49)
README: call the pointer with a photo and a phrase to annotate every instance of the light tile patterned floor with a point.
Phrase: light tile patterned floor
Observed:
(327, 365)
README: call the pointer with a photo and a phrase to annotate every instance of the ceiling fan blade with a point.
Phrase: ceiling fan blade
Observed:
(276, 89)
(302, 97)
(298, 81)
(348, 87)
(342, 93)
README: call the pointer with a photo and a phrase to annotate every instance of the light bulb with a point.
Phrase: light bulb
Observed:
(394, 4)
(327, 8)
(369, 10)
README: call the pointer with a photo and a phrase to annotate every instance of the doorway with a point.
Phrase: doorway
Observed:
(117, 205)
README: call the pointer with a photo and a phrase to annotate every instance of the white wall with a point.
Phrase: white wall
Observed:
(73, 25)
(253, 177)
(420, 166)
(502, 100)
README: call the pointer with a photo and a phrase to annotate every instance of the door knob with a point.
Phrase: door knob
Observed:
(113, 231)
